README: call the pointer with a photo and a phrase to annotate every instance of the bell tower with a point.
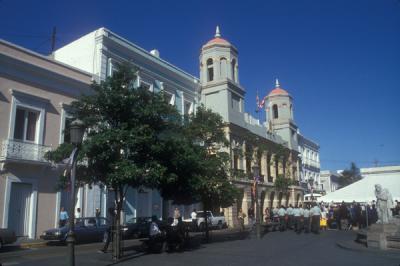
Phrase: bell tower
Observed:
(219, 77)
(279, 108)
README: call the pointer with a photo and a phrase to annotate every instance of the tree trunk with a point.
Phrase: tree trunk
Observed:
(117, 224)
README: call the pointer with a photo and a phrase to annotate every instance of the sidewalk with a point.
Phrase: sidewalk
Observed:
(356, 247)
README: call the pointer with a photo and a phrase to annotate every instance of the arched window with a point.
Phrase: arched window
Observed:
(275, 111)
(222, 68)
(233, 67)
(210, 70)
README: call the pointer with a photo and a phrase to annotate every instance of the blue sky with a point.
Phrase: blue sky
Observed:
(340, 60)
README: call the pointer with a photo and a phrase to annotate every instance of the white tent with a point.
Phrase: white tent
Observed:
(364, 189)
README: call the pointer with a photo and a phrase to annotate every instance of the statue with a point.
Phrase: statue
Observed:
(384, 202)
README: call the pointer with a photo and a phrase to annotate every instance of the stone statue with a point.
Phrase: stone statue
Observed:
(384, 202)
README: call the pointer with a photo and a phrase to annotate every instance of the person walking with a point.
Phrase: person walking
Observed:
(343, 216)
(290, 219)
(78, 213)
(282, 218)
(98, 213)
(241, 217)
(177, 215)
(315, 214)
(250, 214)
(296, 217)
(306, 219)
(267, 215)
(110, 228)
(324, 218)
(193, 215)
(63, 217)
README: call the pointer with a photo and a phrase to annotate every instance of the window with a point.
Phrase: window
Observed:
(210, 70)
(222, 67)
(187, 108)
(275, 111)
(25, 126)
(235, 160)
(67, 123)
(233, 69)
(145, 85)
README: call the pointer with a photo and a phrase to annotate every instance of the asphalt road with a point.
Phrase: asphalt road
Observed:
(226, 248)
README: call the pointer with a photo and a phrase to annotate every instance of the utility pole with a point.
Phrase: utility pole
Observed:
(53, 39)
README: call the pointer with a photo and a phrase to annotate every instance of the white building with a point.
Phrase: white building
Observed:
(329, 181)
(310, 164)
(98, 53)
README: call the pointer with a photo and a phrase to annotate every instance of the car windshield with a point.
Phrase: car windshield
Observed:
(201, 214)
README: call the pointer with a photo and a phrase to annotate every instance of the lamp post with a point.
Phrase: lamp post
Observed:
(256, 175)
(77, 130)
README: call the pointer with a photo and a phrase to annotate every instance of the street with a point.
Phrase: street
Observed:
(274, 248)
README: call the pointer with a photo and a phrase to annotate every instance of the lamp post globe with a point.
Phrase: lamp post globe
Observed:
(77, 129)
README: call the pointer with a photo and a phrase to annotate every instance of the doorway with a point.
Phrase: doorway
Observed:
(19, 208)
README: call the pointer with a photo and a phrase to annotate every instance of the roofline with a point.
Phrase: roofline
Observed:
(147, 53)
(313, 142)
(44, 57)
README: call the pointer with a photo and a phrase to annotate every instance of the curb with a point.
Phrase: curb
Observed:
(33, 245)
(392, 253)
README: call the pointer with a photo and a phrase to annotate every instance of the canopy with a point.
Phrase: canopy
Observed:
(364, 189)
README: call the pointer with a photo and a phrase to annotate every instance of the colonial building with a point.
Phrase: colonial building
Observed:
(35, 92)
(99, 53)
(251, 142)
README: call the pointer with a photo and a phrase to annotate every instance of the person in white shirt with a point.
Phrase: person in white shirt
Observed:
(290, 219)
(78, 213)
(275, 214)
(193, 215)
(306, 219)
(315, 218)
(296, 217)
(282, 218)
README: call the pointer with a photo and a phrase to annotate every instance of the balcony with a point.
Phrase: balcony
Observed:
(18, 150)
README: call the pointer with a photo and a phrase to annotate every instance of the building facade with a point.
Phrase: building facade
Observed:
(251, 141)
(35, 92)
(310, 164)
(329, 181)
(99, 53)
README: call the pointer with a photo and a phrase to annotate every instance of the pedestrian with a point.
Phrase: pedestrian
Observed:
(63, 217)
(241, 217)
(78, 213)
(306, 219)
(282, 218)
(156, 239)
(290, 219)
(315, 214)
(343, 216)
(324, 218)
(98, 213)
(296, 217)
(267, 215)
(111, 213)
(177, 214)
(193, 215)
(250, 214)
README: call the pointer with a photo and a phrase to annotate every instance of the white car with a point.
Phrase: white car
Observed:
(213, 221)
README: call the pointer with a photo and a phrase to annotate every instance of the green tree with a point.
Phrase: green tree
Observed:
(201, 163)
(349, 176)
(128, 132)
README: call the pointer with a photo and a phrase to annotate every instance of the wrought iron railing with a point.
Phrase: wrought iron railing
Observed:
(19, 150)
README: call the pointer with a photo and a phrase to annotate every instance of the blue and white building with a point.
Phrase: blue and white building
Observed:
(98, 53)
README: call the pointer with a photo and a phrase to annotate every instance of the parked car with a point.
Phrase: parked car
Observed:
(87, 229)
(7, 236)
(213, 221)
(139, 227)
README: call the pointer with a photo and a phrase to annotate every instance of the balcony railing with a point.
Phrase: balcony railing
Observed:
(18, 150)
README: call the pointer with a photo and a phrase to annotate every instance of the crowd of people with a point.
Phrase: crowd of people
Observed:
(313, 217)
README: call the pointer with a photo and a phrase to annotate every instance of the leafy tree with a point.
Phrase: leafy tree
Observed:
(201, 162)
(282, 183)
(349, 176)
(128, 132)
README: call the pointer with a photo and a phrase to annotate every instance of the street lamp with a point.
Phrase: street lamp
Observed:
(77, 129)
(256, 175)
